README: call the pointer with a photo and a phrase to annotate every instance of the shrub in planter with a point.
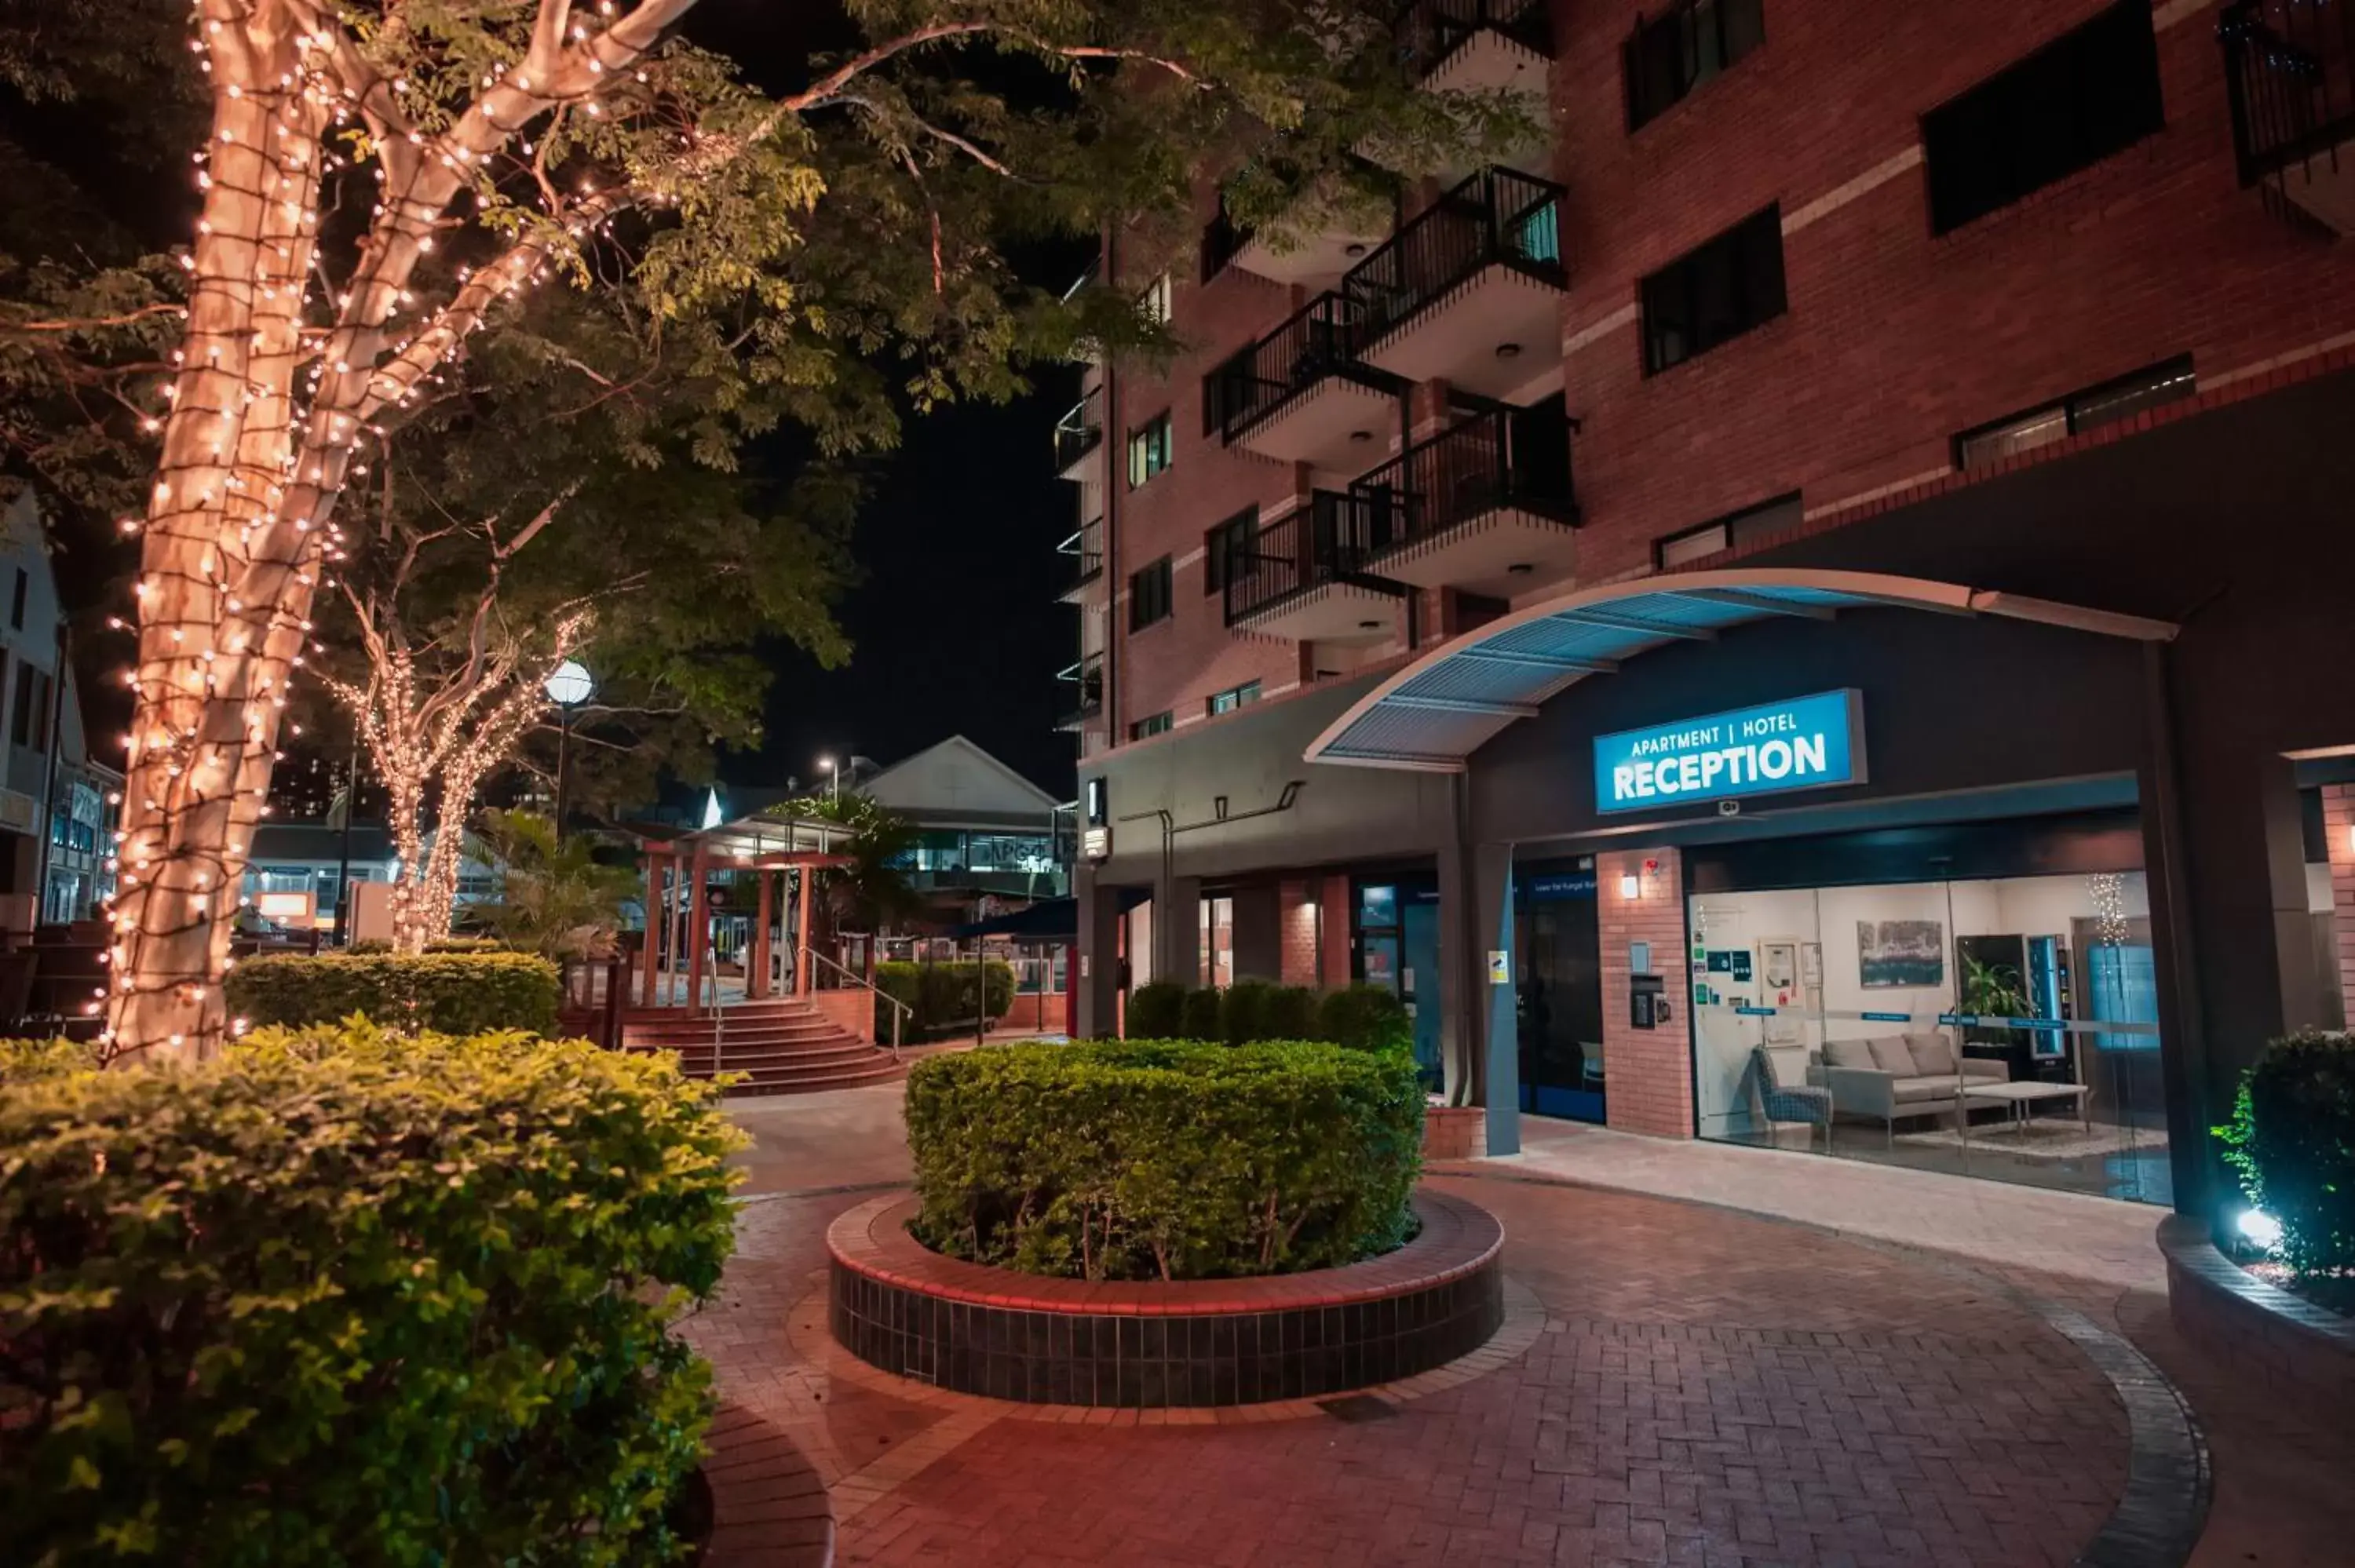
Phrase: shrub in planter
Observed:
(1292, 1013)
(343, 1296)
(2292, 1142)
(450, 993)
(1366, 1018)
(1156, 1010)
(1164, 1160)
(1203, 1016)
(943, 996)
(1243, 1013)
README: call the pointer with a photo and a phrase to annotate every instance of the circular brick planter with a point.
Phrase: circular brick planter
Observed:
(2291, 1348)
(1141, 1345)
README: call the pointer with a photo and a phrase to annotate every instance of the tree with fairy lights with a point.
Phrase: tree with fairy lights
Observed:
(383, 180)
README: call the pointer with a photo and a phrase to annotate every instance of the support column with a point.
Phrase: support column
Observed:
(649, 996)
(697, 918)
(1095, 978)
(801, 965)
(1648, 1073)
(756, 974)
(1177, 930)
(1462, 1016)
(1500, 1057)
(1333, 955)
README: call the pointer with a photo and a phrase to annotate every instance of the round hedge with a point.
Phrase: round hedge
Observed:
(1165, 1160)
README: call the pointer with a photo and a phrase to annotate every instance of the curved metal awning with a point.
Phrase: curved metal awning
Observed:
(1445, 705)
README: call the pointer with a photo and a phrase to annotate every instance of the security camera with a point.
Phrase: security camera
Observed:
(1729, 808)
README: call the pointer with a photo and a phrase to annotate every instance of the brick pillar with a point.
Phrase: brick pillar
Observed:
(1649, 1073)
(2339, 839)
(1296, 907)
(1333, 953)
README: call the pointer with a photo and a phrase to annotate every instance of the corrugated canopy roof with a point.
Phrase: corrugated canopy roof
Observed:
(1443, 708)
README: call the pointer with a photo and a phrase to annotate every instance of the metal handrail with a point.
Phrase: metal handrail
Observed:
(898, 1008)
(1506, 457)
(2289, 75)
(1431, 31)
(1497, 217)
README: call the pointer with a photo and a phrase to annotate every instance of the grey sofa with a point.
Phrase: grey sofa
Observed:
(1898, 1076)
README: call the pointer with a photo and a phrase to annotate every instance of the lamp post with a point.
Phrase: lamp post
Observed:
(833, 776)
(567, 686)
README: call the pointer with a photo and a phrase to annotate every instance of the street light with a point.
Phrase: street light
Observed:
(834, 775)
(567, 686)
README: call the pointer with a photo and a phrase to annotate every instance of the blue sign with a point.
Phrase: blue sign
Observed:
(1804, 743)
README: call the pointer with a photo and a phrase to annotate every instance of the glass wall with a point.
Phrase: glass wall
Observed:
(2005, 1028)
(1396, 945)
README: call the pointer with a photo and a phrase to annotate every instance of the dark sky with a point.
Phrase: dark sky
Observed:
(955, 629)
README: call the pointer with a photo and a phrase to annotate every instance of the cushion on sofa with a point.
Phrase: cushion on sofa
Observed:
(1890, 1056)
(1849, 1053)
(1938, 1087)
(1932, 1054)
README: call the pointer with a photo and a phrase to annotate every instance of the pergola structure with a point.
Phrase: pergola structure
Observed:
(780, 853)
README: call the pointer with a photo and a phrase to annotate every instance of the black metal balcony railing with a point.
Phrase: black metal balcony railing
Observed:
(1317, 341)
(1222, 237)
(1079, 431)
(1497, 217)
(1508, 457)
(1086, 550)
(1329, 540)
(2289, 72)
(1084, 700)
(1431, 31)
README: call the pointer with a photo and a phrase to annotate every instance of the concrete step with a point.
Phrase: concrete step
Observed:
(885, 1072)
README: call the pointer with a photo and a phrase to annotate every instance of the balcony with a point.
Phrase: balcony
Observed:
(1086, 550)
(1082, 704)
(1325, 230)
(1299, 395)
(1484, 506)
(1303, 577)
(1478, 46)
(2289, 72)
(1078, 435)
(1470, 290)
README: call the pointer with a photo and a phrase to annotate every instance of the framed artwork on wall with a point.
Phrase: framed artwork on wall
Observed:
(1900, 955)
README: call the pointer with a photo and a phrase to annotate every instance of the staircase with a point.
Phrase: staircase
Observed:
(782, 1046)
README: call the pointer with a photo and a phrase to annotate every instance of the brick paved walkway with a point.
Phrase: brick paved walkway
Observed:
(1708, 1388)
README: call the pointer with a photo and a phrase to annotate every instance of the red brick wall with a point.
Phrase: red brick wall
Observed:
(1333, 961)
(1648, 1073)
(1297, 917)
(2338, 836)
(852, 1011)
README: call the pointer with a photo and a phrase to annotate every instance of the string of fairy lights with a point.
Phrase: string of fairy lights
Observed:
(239, 530)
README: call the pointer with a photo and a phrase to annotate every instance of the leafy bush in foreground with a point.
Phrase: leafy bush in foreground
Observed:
(1164, 1160)
(2292, 1142)
(339, 1296)
(465, 992)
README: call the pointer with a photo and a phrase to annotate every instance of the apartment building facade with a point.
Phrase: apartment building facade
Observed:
(1835, 548)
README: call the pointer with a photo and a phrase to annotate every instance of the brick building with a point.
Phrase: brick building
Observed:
(1966, 381)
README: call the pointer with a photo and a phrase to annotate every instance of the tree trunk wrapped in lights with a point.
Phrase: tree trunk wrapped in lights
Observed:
(507, 140)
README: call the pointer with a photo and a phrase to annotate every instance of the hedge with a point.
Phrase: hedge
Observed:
(341, 1296)
(942, 994)
(2292, 1142)
(451, 993)
(1363, 1017)
(1156, 1010)
(1164, 1160)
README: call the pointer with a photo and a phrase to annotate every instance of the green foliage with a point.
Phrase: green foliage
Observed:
(339, 1296)
(1366, 1018)
(2292, 1143)
(1156, 1010)
(945, 997)
(555, 899)
(1291, 1013)
(1164, 1160)
(1202, 1015)
(451, 993)
(873, 891)
(1243, 1011)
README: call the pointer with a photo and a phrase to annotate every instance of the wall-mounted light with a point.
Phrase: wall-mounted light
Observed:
(1631, 886)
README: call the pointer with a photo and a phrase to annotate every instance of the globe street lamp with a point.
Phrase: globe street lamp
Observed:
(567, 686)
(834, 775)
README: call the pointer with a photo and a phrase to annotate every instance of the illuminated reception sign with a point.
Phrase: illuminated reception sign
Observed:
(1804, 743)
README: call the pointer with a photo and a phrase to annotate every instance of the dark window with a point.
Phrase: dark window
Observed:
(1148, 595)
(1149, 727)
(1148, 449)
(1718, 291)
(1723, 533)
(1234, 697)
(20, 729)
(1227, 390)
(1226, 544)
(42, 691)
(16, 603)
(1669, 56)
(2080, 411)
(2088, 94)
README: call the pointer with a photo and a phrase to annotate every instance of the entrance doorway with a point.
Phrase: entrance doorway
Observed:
(1559, 999)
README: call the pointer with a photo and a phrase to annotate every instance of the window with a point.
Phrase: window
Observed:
(1154, 303)
(1228, 548)
(1145, 727)
(1723, 533)
(17, 602)
(1675, 52)
(20, 729)
(1148, 449)
(1233, 697)
(2090, 92)
(1148, 595)
(2080, 411)
(1226, 390)
(42, 691)
(1715, 292)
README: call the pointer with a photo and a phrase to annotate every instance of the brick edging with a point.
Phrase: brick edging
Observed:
(2292, 1347)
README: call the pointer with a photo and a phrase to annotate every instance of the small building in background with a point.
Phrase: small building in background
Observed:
(988, 840)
